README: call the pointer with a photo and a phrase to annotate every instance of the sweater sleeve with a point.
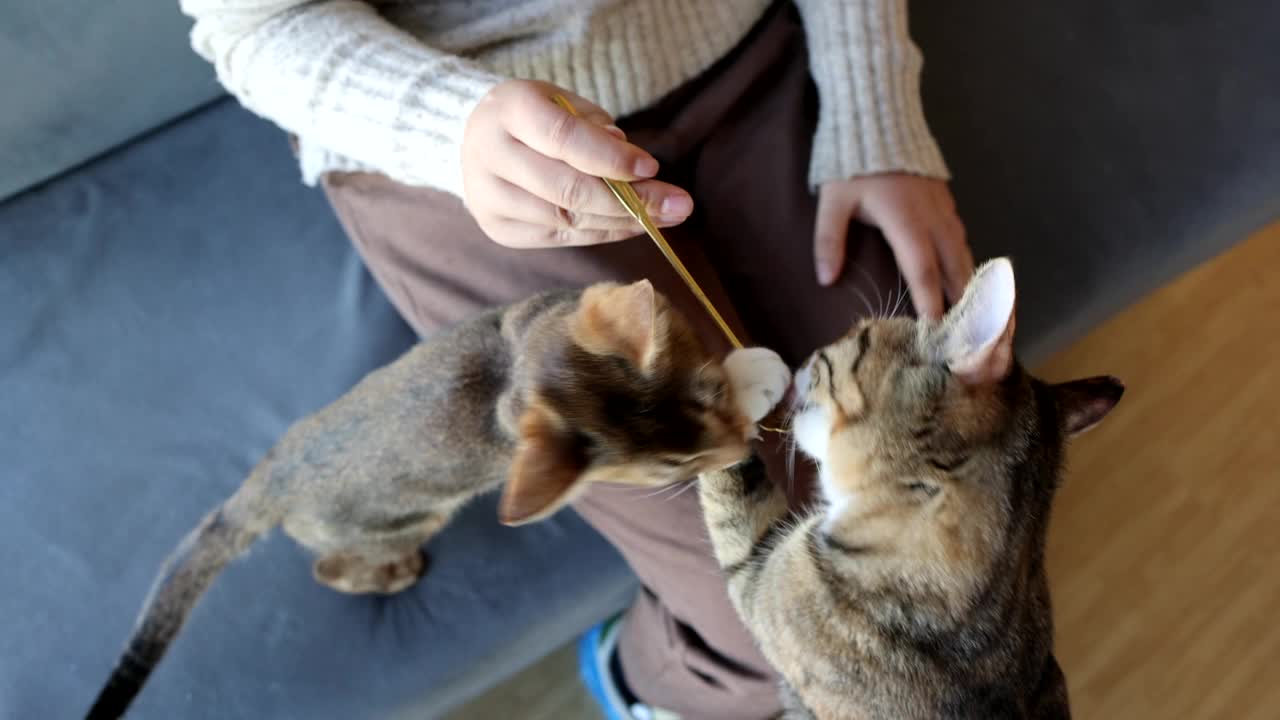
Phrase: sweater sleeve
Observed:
(339, 74)
(867, 71)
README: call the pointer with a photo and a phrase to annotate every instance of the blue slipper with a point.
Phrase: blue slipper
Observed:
(596, 649)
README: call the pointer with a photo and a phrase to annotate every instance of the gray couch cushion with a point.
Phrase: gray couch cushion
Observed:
(81, 77)
(172, 308)
(1106, 145)
(168, 311)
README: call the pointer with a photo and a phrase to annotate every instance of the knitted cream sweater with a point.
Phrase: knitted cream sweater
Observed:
(387, 85)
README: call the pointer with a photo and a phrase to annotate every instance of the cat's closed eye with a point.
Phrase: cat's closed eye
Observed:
(921, 488)
(584, 443)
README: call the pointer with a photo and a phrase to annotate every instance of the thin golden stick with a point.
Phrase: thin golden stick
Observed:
(635, 207)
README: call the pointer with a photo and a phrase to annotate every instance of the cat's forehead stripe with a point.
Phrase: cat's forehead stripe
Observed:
(864, 346)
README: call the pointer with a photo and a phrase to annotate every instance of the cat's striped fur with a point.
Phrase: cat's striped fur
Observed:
(917, 589)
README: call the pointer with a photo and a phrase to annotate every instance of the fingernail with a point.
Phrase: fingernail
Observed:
(826, 275)
(615, 131)
(676, 206)
(646, 167)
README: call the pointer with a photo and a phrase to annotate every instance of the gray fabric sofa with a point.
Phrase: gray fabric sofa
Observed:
(173, 299)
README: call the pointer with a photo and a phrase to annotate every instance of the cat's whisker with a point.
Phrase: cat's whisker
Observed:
(653, 493)
(902, 295)
(791, 466)
(661, 490)
(865, 301)
(880, 304)
(688, 484)
(789, 419)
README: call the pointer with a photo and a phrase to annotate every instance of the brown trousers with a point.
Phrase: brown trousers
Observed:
(738, 139)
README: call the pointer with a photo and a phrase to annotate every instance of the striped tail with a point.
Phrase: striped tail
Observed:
(223, 535)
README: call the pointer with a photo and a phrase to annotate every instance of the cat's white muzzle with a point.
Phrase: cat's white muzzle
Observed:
(800, 387)
(811, 427)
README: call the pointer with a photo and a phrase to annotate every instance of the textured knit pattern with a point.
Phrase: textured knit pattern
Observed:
(388, 86)
(867, 71)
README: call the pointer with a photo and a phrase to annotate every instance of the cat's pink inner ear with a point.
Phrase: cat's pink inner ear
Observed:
(638, 311)
(545, 473)
(1082, 404)
(619, 319)
(978, 344)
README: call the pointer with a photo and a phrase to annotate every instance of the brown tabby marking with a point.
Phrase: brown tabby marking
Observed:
(554, 393)
(918, 589)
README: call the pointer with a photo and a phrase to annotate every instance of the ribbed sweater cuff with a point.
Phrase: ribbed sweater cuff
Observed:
(867, 70)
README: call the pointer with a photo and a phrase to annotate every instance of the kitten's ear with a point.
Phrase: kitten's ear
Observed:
(548, 465)
(977, 334)
(1082, 404)
(619, 319)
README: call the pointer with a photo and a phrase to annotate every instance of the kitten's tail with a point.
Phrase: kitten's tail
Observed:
(222, 536)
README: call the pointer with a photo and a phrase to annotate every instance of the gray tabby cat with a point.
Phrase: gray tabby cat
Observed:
(918, 588)
(548, 395)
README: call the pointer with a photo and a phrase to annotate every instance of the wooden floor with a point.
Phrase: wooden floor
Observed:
(550, 690)
(1165, 547)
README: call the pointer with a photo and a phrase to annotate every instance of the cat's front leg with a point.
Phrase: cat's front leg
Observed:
(739, 503)
(743, 509)
(758, 379)
(745, 513)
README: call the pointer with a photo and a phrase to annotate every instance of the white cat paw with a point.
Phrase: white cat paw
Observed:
(759, 380)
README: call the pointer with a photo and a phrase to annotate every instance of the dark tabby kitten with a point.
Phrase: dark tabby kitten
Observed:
(548, 395)
(918, 588)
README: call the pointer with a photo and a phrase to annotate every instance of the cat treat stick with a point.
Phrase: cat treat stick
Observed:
(635, 206)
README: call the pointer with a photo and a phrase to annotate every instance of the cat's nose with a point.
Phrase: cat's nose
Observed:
(800, 385)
